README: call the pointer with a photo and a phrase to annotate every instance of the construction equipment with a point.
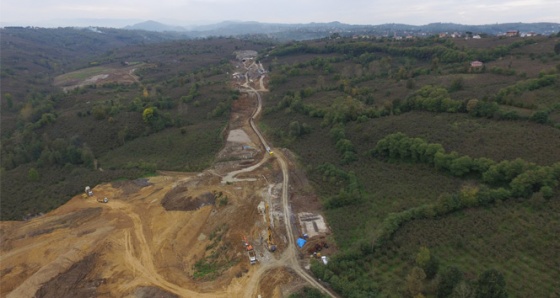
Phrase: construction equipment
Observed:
(104, 200)
(269, 243)
(250, 251)
(88, 191)
(269, 150)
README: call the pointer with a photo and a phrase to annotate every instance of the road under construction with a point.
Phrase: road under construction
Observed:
(289, 256)
(154, 234)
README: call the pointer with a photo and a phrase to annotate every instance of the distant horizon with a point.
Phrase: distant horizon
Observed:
(122, 23)
(61, 13)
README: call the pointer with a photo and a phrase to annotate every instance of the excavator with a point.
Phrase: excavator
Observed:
(269, 243)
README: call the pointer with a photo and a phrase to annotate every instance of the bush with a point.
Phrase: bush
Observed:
(491, 284)
(540, 117)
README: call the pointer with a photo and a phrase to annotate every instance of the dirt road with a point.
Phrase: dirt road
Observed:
(289, 257)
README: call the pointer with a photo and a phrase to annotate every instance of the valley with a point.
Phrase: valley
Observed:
(344, 166)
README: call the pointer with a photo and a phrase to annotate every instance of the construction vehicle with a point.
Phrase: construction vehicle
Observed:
(250, 251)
(104, 200)
(269, 150)
(252, 257)
(269, 243)
(88, 191)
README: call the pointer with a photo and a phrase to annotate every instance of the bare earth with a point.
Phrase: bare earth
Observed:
(146, 240)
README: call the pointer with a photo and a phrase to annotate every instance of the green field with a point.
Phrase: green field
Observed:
(82, 74)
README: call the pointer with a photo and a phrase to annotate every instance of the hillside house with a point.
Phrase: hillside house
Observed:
(476, 64)
(455, 35)
(512, 33)
(528, 34)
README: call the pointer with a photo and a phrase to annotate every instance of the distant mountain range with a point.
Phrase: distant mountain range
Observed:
(318, 30)
(155, 26)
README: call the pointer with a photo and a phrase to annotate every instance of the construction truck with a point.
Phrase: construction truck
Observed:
(252, 257)
(104, 200)
(250, 251)
(88, 191)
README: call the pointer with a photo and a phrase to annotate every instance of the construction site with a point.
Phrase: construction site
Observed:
(242, 228)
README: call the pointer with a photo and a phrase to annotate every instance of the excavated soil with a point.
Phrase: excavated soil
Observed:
(153, 292)
(75, 282)
(132, 186)
(178, 199)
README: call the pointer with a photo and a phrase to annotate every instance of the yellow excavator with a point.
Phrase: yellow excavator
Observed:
(269, 243)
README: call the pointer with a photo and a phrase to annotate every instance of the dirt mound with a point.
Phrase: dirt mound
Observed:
(178, 200)
(150, 292)
(75, 282)
(133, 186)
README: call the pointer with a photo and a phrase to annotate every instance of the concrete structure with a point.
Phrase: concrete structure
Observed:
(312, 224)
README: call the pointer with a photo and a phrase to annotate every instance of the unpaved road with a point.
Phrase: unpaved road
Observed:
(289, 256)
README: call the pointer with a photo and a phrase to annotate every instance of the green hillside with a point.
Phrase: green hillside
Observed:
(55, 143)
(425, 191)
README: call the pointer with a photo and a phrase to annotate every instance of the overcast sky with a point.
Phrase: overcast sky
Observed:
(181, 12)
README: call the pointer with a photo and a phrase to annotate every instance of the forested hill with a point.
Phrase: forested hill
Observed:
(440, 177)
(55, 142)
(284, 32)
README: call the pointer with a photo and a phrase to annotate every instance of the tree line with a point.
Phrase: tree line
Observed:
(519, 177)
(424, 49)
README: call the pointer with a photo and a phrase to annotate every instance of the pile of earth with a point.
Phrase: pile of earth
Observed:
(178, 199)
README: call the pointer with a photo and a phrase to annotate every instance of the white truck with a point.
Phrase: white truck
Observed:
(252, 257)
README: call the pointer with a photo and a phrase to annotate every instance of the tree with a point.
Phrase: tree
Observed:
(469, 195)
(450, 278)
(33, 175)
(457, 84)
(471, 105)
(423, 256)
(149, 114)
(9, 100)
(491, 284)
(415, 281)
(540, 117)
(461, 166)
(557, 47)
(294, 129)
(427, 262)
(87, 157)
(463, 290)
